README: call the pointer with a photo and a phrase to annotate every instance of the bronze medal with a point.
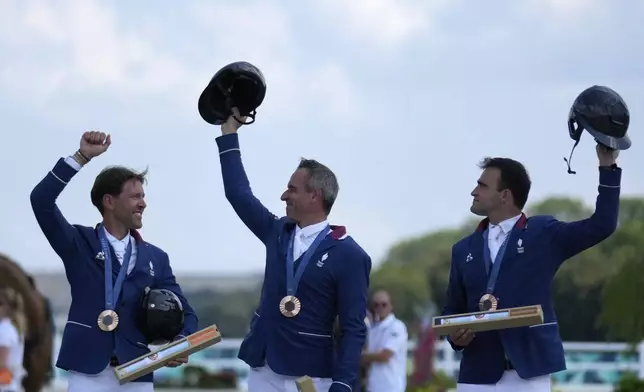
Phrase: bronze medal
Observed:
(108, 320)
(488, 302)
(290, 306)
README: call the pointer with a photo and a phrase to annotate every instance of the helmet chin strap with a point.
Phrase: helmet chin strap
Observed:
(230, 104)
(251, 115)
(569, 159)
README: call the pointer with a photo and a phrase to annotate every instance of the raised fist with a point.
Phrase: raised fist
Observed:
(232, 125)
(94, 143)
(607, 156)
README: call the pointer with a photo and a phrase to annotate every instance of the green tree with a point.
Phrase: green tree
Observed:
(623, 295)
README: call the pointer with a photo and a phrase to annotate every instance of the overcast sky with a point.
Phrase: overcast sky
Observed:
(400, 98)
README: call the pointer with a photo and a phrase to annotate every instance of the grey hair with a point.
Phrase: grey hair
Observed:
(321, 178)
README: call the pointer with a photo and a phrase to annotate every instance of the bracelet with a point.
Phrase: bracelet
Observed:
(82, 155)
(80, 158)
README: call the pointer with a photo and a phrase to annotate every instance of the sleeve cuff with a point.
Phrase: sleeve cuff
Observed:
(72, 162)
(454, 347)
(610, 177)
(64, 171)
(228, 142)
(340, 386)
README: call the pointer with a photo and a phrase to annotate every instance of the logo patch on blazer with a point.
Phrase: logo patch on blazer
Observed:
(151, 269)
(320, 262)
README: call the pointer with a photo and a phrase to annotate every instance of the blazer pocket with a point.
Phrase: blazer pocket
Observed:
(315, 335)
(313, 340)
(550, 324)
(79, 324)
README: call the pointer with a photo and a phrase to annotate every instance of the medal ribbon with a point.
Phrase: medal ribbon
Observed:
(494, 274)
(112, 293)
(293, 281)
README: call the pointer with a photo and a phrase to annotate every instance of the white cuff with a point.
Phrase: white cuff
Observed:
(72, 162)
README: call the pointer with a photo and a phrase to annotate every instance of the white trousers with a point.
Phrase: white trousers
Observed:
(105, 381)
(265, 380)
(510, 382)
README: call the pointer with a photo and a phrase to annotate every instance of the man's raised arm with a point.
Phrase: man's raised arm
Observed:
(572, 238)
(60, 234)
(236, 185)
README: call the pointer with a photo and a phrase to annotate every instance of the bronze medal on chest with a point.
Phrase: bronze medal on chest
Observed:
(488, 302)
(108, 320)
(290, 306)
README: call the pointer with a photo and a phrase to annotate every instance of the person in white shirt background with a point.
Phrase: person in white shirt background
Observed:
(386, 352)
(12, 343)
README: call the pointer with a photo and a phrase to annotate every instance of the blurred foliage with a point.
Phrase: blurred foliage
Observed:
(197, 377)
(629, 383)
(440, 382)
(230, 311)
(598, 294)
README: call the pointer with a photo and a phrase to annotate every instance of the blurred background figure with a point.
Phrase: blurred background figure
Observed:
(36, 339)
(386, 354)
(12, 331)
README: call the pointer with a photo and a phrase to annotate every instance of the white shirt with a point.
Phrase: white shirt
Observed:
(390, 376)
(11, 339)
(497, 233)
(119, 245)
(304, 238)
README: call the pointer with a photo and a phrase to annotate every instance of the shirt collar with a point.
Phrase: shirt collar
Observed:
(111, 238)
(507, 225)
(311, 230)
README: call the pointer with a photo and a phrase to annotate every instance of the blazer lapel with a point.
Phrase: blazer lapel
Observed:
(511, 249)
(477, 255)
(116, 265)
(143, 256)
(97, 249)
(333, 237)
(285, 237)
(95, 245)
(335, 234)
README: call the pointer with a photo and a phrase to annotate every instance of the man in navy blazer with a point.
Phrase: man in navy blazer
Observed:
(314, 272)
(512, 259)
(93, 343)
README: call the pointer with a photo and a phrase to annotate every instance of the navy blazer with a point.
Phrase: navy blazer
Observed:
(85, 348)
(537, 246)
(334, 283)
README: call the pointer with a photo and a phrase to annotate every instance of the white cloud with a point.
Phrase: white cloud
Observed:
(570, 9)
(78, 45)
(87, 48)
(382, 23)
(565, 17)
(334, 89)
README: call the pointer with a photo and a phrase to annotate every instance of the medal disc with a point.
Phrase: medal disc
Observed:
(488, 302)
(108, 320)
(290, 306)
